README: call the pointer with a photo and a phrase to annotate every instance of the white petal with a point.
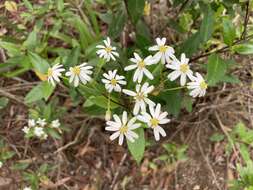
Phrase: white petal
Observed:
(129, 92)
(114, 135)
(121, 139)
(124, 118)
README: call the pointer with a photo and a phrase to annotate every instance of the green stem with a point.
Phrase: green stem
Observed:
(176, 88)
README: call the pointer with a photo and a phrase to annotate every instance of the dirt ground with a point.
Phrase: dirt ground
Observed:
(86, 159)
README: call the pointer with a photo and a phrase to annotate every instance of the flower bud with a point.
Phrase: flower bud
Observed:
(108, 115)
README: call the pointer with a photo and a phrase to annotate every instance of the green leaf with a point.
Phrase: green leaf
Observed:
(135, 9)
(216, 69)
(244, 49)
(187, 103)
(31, 41)
(85, 35)
(3, 102)
(39, 64)
(217, 137)
(42, 90)
(20, 166)
(53, 133)
(28, 5)
(60, 5)
(207, 25)
(229, 32)
(137, 148)
(194, 42)
(11, 48)
(172, 98)
(73, 57)
(100, 101)
(117, 24)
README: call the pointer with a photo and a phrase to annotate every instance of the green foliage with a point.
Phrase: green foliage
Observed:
(3, 102)
(243, 138)
(217, 137)
(135, 9)
(244, 49)
(42, 90)
(197, 40)
(138, 146)
(69, 36)
(229, 32)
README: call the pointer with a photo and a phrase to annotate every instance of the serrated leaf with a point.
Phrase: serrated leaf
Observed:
(216, 69)
(42, 90)
(137, 148)
(39, 64)
(244, 49)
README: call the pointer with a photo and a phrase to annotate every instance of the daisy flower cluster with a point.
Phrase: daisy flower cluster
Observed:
(39, 128)
(153, 117)
(145, 110)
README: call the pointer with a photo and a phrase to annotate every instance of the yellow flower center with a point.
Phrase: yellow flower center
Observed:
(108, 49)
(141, 64)
(49, 72)
(113, 82)
(163, 48)
(184, 68)
(139, 96)
(154, 122)
(123, 129)
(76, 70)
(203, 85)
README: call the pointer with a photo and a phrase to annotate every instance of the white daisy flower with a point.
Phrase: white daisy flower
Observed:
(80, 72)
(141, 97)
(1, 164)
(122, 128)
(55, 123)
(140, 66)
(54, 73)
(154, 120)
(198, 86)
(41, 122)
(39, 132)
(113, 81)
(26, 130)
(31, 122)
(165, 52)
(181, 69)
(106, 51)
(27, 188)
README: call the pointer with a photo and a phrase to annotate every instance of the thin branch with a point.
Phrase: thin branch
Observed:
(221, 50)
(246, 21)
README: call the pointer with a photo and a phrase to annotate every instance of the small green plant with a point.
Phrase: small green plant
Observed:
(241, 138)
(39, 177)
(174, 154)
(5, 153)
